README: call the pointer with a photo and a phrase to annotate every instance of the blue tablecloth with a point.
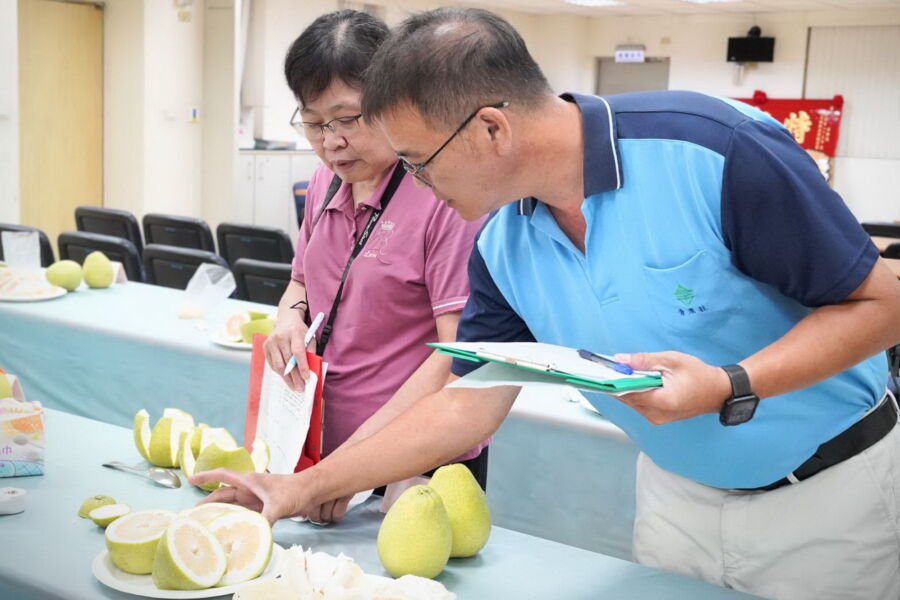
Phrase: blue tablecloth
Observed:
(556, 470)
(46, 552)
(108, 353)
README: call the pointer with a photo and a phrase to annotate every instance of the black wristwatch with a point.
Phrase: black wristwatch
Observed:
(739, 408)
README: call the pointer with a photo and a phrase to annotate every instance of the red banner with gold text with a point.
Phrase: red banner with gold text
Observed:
(813, 123)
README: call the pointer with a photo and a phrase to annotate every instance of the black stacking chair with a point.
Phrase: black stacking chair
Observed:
(47, 257)
(892, 251)
(109, 221)
(75, 245)
(882, 228)
(173, 267)
(251, 241)
(173, 230)
(260, 281)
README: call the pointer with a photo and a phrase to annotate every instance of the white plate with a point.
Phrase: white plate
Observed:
(50, 293)
(142, 585)
(218, 338)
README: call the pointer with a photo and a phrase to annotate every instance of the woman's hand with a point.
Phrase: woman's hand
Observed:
(285, 341)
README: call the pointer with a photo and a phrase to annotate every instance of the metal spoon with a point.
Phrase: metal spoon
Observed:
(164, 477)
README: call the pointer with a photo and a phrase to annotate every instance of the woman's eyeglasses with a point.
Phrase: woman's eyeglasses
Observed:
(315, 132)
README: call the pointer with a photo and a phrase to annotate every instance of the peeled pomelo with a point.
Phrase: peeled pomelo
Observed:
(131, 540)
(105, 515)
(185, 454)
(141, 430)
(214, 456)
(218, 435)
(166, 436)
(188, 557)
(209, 511)
(195, 438)
(246, 539)
(259, 454)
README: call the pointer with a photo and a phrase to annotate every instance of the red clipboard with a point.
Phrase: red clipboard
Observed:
(312, 448)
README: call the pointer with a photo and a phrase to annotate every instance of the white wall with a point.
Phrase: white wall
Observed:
(173, 84)
(696, 48)
(9, 112)
(123, 105)
(220, 109)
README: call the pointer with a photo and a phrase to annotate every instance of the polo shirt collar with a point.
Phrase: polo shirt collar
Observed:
(602, 161)
(344, 196)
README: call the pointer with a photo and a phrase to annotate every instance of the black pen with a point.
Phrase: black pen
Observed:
(615, 366)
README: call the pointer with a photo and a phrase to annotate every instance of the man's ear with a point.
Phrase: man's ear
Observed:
(496, 125)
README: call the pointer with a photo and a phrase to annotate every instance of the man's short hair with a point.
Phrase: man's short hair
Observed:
(337, 46)
(447, 62)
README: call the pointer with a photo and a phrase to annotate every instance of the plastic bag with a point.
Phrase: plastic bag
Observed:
(209, 286)
(22, 250)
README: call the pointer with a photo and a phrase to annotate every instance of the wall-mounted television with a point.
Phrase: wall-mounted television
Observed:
(751, 49)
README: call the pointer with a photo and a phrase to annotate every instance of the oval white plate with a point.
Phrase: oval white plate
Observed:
(142, 585)
(218, 338)
(51, 292)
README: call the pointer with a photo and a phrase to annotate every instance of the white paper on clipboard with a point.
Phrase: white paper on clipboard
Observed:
(283, 419)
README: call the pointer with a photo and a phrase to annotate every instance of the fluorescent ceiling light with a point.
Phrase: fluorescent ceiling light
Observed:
(595, 3)
(710, 1)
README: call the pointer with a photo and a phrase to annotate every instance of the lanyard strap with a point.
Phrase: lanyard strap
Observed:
(396, 178)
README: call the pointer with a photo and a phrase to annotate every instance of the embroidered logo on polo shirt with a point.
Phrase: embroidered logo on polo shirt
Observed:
(377, 245)
(684, 295)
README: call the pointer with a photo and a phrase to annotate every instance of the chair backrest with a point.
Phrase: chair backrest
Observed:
(251, 241)
(173, 230)
(47, 257)
(882, 228)
(76, 245)
(173, 267)
(300, 188)
(109, 221)
(261, 281)
(892, 251)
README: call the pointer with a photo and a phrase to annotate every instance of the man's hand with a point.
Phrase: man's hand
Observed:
(690, 387)
(275, 496)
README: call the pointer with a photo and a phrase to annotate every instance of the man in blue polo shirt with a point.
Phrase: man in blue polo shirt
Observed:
(691, 235)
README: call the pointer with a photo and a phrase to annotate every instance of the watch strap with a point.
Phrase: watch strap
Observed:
(740, 381)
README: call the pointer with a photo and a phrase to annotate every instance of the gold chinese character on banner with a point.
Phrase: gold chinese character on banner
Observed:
(798, 124)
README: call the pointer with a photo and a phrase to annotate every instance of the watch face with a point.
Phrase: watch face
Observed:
(739, 410)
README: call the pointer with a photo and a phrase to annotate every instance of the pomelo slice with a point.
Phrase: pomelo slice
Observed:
(246, 538)
(105, 515)
(132, 539)
(188, 557)
(207, 512)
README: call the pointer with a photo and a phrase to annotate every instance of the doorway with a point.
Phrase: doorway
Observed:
(619, 78)
(60, 111)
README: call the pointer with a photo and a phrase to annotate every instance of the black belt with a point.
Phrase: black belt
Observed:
(847, 444)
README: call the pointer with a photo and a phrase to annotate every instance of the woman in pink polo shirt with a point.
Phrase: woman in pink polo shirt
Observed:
(407, 284)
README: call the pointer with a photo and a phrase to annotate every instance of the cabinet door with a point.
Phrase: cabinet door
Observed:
(243, 193)
(273, 193)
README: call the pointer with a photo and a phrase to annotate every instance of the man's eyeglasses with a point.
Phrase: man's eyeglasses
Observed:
(315, 132)
(417, 169)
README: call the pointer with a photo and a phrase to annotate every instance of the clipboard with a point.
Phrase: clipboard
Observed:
(311, 452)
(554, 361)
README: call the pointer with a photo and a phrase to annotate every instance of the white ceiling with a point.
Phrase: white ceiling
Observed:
(680, 7)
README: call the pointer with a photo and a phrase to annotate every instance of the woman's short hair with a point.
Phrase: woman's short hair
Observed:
(337, 46)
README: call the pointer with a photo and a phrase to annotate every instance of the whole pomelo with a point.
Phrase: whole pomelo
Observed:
(65, 273)
(415, 537)
(97, 270)
(467, 508)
